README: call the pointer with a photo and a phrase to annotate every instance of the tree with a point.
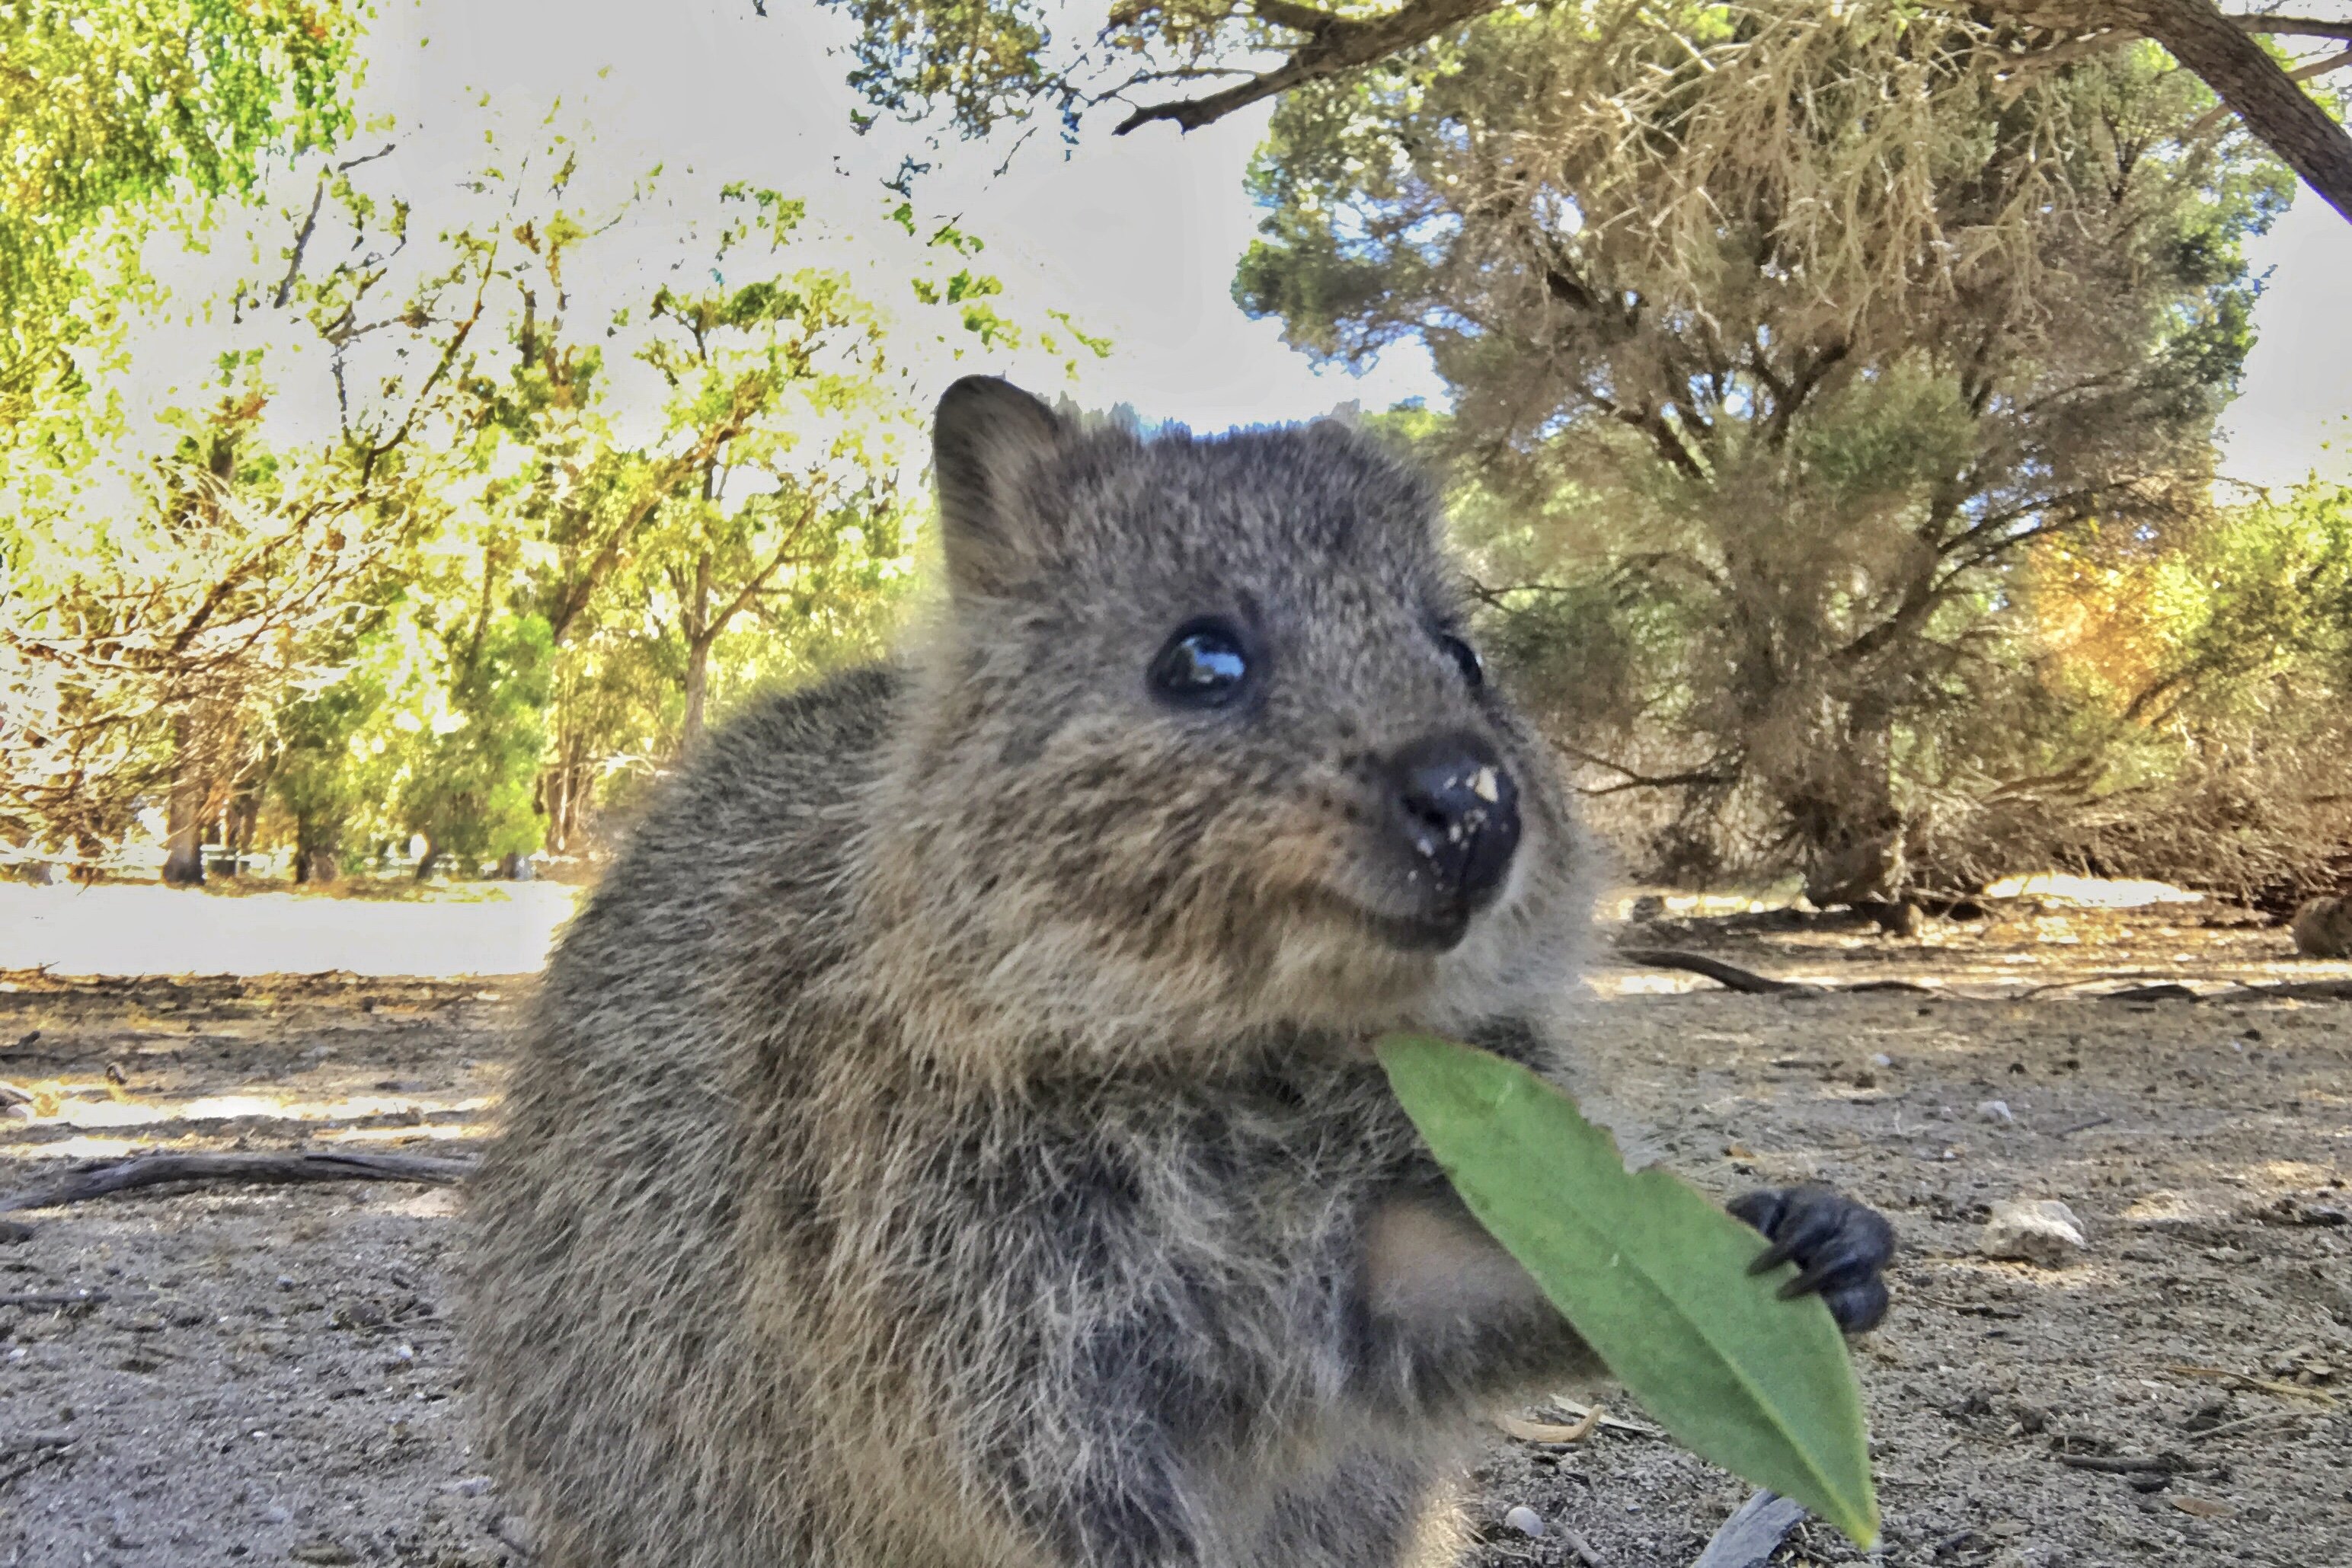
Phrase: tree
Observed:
(321, 775)
(979, 63)
(468, 785)
(106, 105)
(157, 612)
(768, 506)
(2211, 671)
(140, 650)
(418, 556)
(777, 382)
(1753, 469)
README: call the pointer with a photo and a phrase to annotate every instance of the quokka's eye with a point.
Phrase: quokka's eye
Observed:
(1474, 668)
(1203, 666)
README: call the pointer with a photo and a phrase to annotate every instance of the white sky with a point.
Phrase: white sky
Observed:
(1137, 235)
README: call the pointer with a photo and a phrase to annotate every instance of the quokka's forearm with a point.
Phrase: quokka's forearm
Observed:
(1448, 1316)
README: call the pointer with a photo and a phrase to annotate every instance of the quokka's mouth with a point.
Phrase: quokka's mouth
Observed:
(1432, 933)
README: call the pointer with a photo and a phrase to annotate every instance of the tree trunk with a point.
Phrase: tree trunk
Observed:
(428, 860)
(2243, 75)
(699, 635)
(317, 841)
(241, 824)
(183, 823)
(577, 780)
(698, 683)
(559, 804)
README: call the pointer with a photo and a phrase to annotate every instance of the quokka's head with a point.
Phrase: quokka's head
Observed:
(1200, 746)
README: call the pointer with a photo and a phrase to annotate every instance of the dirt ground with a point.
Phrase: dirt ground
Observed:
(269, 1375)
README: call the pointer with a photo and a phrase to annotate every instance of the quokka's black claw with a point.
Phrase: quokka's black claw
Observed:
(1839, 1245)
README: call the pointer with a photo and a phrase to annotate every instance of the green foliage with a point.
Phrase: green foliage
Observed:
(979, 64)
(2265, 590)
(1653, 1276)
(2194, 693)
(470, 772)
(575, 501)
(325, 778)
(106, 105)
(979, 60)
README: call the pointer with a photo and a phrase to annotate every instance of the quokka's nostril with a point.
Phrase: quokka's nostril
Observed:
(1457, 809)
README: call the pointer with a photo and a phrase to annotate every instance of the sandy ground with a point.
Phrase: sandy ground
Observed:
(269, 1375)
(471, 928)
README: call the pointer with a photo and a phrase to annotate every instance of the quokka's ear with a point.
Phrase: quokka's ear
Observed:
(989, 434)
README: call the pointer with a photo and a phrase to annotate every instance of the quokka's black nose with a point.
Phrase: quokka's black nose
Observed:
(1458, 812)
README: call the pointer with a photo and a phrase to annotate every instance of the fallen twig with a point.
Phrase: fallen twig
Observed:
(1750, 1536)
(32, 1453)
(1580, 1546)
(1550, 1431)
(2297, 990)
(102, 1179)
(2081, 1126)
(55, 1298)
(1728, 975)
(2239, 1380)
(1586, 1421)
(2170, 991)
(2123, 1464)
(1600, 1418)
(2259, 1418)
(2048, 986)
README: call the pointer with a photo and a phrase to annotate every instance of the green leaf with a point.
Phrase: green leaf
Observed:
(1653, 1275)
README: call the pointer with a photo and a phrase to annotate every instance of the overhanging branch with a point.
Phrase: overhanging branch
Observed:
(1334, 45)
(2222, 53)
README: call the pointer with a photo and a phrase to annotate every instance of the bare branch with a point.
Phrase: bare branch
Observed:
(2297, 26)
(1335, 46)
(310, 224)
(784, 557)
(106, 1177)
(301, 242)
(2243, 74)
(2213, 118)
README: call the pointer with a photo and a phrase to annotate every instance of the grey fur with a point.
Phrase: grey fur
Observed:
(2323, 928)
(946, 1139)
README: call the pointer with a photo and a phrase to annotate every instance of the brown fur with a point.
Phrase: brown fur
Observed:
(947, 1139)
(2323, 928)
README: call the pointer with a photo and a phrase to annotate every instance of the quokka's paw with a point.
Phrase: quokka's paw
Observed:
(1840, 1248)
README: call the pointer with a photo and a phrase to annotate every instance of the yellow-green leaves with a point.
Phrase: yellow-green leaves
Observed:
(1653, 1275)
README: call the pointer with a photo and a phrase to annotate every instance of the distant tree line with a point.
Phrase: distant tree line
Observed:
(1831, 427)
(489, 592)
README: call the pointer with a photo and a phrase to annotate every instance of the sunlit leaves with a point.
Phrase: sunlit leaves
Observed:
(107, 103)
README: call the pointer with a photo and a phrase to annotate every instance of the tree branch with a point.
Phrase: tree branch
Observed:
(1335, 46)
(108, 1176)
(776, 563)
(1634, 781)
(310, 224)
(575, 598)
(2319, 68)
(2221, 50)
(2299, 27)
